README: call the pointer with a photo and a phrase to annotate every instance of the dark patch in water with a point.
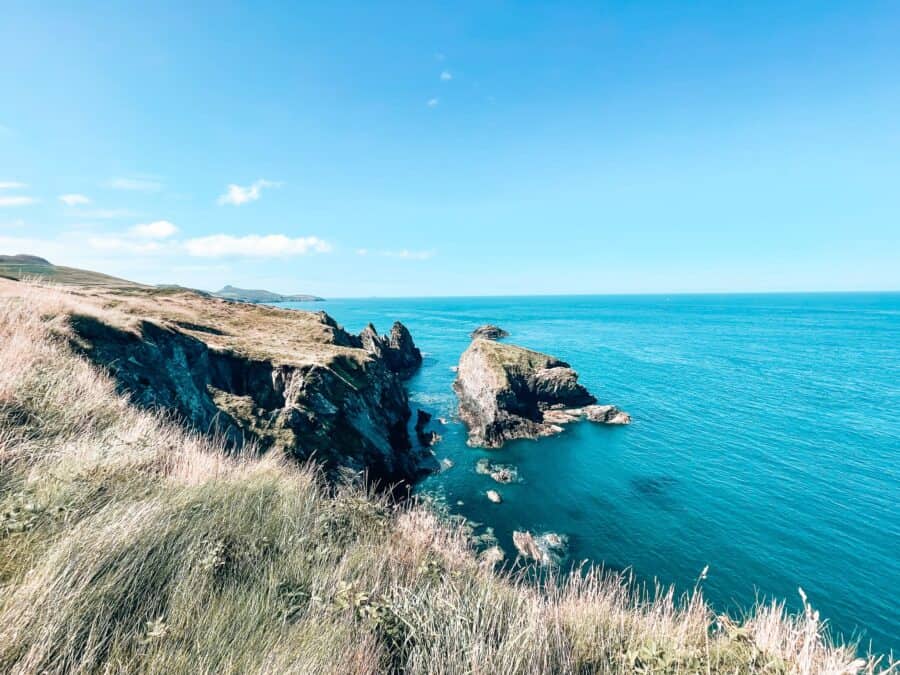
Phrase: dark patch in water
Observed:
(652, 486)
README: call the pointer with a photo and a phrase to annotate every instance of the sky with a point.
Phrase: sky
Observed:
(459, 148)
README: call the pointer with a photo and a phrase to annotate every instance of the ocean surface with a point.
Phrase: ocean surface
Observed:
(765, 441)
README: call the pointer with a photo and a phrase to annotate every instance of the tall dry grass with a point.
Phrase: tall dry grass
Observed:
(130, 545)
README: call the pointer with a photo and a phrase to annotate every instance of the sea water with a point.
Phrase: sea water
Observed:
(765, 442)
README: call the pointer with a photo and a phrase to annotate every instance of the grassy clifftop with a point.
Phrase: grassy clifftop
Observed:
(128, 545)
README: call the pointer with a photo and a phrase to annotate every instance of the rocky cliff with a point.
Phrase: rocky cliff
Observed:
(286, 380)
(508, 392)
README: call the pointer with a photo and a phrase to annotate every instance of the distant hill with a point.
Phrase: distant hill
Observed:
(259, 295)
(24, 266)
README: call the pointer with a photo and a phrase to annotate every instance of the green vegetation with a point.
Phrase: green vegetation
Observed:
(29, 266)
(259, 295)
(128, 545)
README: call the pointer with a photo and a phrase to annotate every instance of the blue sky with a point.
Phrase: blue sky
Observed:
(466, 148)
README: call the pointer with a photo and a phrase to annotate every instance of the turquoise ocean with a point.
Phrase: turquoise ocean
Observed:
(765, 441)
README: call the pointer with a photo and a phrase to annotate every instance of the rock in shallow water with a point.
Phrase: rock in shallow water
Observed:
(507, 392)
(494, 496)
(489, 332)
(546, 549)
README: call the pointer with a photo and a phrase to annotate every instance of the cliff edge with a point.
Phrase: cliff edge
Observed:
(285, 380)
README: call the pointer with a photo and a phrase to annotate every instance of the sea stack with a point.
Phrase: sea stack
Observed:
(507, 392)
(489, 332)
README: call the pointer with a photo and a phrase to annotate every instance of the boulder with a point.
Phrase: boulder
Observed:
(494, 496)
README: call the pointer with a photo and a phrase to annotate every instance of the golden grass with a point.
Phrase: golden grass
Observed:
(128, 545)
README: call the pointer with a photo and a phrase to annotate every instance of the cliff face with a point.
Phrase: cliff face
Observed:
(289, 381)
(507, 392)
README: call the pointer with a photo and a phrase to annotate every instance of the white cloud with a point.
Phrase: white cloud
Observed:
(74, 199)
(446, 75)
(254, 246)
(402, 253)
(237, 194)
(432, 102)
(11, 185)
(135, 184)
(17, 200)
(158, 229)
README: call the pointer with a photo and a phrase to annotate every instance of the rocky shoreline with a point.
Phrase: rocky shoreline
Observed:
(282, 380)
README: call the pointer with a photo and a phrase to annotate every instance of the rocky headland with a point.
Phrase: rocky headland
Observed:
(262, 296)
(507, 392)
(283, 380)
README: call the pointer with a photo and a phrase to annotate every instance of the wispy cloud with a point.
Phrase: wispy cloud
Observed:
(433, 102)
(135, 184)
(143, 238)
(446, 75)
(16, 200)
(12, 185)
(238, 194)
(18, 222)
(254, 246)
(74, 199)
(402, 253)
(158, 229)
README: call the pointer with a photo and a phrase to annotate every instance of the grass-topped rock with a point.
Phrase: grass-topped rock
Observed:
(507, 392)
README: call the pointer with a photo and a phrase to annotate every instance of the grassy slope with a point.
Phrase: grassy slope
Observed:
(129, 545)
(57, 274)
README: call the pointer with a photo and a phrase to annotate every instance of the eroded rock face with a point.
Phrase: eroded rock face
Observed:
(489, 332)
(332, 400)
(396, 349)
(425, 436)
(507, 392)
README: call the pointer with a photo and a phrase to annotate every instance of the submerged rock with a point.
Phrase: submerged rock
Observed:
(502, 473)
(494, 496)
(507, 392)
(546, 549)
(489, 332)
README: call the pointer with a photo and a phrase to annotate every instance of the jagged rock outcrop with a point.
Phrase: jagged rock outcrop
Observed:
(507, 392)
(285, 380)
(425, 436)
(397, 348)
(489, 332)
